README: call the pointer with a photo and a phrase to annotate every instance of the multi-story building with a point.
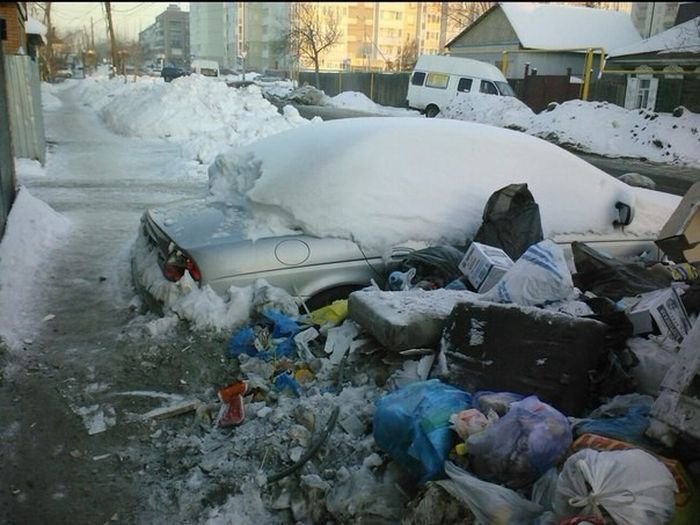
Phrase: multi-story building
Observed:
(380, 35)
(167, 40)
(651, 18)
(374, 35)
(240, 35)
(208, 28)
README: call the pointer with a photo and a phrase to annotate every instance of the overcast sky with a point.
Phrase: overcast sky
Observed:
(129, 17)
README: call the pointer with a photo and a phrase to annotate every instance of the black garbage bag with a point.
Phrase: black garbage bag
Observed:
(438, 264)
(511, 221)
(609, 277)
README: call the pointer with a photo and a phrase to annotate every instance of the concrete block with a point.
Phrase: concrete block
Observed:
(405, 320)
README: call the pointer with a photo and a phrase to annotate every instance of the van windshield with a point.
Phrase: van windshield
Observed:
(505, 89)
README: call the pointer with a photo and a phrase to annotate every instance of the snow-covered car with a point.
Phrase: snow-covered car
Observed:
(322, 209)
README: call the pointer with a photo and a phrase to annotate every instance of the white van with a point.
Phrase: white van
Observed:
(208, 68)
(437, 78)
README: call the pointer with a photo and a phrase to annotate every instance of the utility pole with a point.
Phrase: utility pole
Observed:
(49, 41)
(110, 27)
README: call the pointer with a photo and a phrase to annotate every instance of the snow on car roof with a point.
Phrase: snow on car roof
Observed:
(387, 180)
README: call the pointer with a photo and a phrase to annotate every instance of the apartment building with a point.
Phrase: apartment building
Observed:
(374, 35)
(380, 35)
(167, 40)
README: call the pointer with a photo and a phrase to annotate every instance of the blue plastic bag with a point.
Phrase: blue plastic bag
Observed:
(280, 330)
(412, 424)
(522, 445)
(625, 418)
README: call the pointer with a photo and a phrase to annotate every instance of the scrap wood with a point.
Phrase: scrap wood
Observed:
(171, 410)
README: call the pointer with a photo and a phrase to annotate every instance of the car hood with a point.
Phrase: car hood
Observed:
(195, 223)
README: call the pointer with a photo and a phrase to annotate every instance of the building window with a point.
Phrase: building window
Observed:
(643, 93)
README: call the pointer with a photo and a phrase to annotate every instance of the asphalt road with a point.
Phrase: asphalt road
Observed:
(669, 179)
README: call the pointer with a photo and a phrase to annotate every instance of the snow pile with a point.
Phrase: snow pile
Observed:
(506, 112)
(33, 231)
(442, 173)
(612, 131)
(360, 102)
(204, 115)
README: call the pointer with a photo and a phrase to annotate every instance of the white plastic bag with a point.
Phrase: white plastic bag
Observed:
(491, 504)
(631, 485)
(541, 275)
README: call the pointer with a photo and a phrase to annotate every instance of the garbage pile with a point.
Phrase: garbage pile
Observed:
(485, 383)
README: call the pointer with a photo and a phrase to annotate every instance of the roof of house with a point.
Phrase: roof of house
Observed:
(558, 27)
(683, 38)
(33, 27)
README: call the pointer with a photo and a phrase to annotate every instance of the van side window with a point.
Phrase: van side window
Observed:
(488, 87)
(418, 78)
(464, 85)
(437, 80)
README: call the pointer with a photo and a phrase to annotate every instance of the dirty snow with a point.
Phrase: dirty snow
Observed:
(360, 102)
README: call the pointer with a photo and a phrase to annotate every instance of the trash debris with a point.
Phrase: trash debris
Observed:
(661, 311)
(511, 221)
(608, 277)
(401, 281)
(435, 506)
(469, 422)
(172, 410)
(232, 411)
(435, 266)
(630, 485)
(499, 402)
(490, 503)
(333, 314)
(679, 239)
(624, 417)
(484, 266)
(520, 447)
(540, 276)
(412, 425)
(272, 337)
(551, 352)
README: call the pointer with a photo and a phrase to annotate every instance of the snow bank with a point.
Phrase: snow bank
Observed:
(204, 115)
(506, 112)
(49, 101)
(360, 102)
(612, 131)
(33, 231)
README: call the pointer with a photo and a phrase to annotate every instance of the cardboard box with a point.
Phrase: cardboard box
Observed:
(484, 266)
(679, 239)
(662, 310)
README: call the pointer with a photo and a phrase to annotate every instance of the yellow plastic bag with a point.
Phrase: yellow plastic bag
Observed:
(335, 313)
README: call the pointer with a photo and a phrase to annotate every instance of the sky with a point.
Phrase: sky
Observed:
(129, 18)
(232, 123)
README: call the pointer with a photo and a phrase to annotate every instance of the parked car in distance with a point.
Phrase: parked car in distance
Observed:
(448, 168)
(170, 73)
(437, 79)
(208, 68)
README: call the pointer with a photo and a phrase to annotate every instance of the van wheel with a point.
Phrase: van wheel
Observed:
(431, 111)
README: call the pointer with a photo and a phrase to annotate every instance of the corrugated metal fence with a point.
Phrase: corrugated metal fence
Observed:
(7, 166)
(24, 101)
(386, 89)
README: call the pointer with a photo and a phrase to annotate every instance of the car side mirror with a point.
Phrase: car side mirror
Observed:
(625, 214)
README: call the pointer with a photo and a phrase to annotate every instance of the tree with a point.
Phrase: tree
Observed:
(464, 14)
(112, 41)
(315, 28)
(408, 56)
